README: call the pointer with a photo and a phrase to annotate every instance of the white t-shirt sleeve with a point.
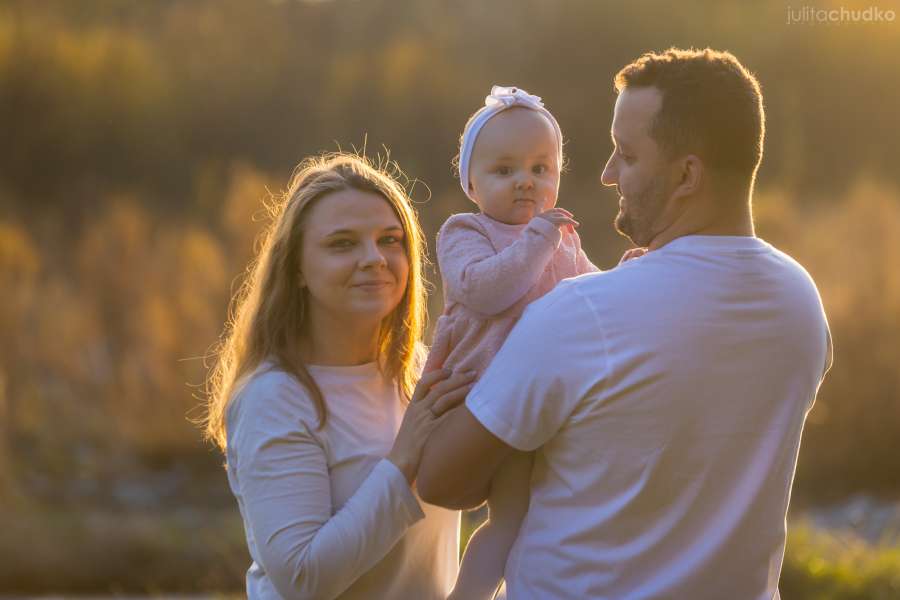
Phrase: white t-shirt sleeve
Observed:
(542, 373)
(307, 551)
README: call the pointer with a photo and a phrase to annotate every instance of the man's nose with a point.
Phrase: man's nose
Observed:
(609, 176)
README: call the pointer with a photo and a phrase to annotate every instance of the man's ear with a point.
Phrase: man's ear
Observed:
(690, 175)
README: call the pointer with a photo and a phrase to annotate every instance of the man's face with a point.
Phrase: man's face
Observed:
(637, 166)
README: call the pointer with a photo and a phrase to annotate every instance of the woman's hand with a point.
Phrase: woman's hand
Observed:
(436, 393)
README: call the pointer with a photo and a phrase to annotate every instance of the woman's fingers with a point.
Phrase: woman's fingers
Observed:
(450, 384)
(427, 381)
(450, 400)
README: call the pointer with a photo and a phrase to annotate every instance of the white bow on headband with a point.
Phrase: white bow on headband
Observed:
(512, 96)
(500, 99)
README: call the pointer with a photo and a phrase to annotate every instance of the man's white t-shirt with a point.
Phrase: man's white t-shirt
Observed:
(665, 399)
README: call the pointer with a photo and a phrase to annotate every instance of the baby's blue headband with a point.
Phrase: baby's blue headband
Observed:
(500, 99)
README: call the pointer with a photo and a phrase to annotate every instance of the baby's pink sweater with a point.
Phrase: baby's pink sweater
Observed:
(491, 271)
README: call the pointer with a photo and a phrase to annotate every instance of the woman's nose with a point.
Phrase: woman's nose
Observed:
(372, 257)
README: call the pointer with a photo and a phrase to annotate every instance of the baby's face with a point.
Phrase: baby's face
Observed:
(514, 172)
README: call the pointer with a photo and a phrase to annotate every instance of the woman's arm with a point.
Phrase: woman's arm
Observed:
(487, 281)
(307, 551)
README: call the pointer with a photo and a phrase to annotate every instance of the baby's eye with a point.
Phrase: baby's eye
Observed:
(539, 169)
(503, 170)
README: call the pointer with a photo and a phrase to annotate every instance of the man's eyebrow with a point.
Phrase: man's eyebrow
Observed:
(616, 140)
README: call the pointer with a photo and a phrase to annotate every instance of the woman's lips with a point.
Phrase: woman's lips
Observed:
(372, 286)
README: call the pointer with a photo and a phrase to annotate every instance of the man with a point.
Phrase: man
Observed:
(665, 398)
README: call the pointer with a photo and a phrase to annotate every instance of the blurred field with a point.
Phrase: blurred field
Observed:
(142, 138)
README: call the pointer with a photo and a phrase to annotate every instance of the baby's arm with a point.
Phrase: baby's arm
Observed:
(485, 559)
(582, 263)
(487, 281)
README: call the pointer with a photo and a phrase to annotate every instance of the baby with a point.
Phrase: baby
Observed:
(493, 264)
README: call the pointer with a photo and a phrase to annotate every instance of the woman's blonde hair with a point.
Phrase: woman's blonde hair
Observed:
(267, 314)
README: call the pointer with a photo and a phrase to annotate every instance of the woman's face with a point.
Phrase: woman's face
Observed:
(353, 263)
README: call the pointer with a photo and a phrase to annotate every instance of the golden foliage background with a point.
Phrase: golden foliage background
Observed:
(141, 139)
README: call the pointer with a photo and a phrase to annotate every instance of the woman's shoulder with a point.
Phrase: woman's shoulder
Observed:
(270, 392)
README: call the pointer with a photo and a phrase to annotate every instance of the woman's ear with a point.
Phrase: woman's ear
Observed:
(690, 176)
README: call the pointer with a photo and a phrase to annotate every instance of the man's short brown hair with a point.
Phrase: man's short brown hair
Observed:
(711, 107)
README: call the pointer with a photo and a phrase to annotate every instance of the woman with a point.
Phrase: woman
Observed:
(309, 396)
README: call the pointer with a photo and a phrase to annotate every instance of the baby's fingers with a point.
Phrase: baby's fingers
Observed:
(557, 212)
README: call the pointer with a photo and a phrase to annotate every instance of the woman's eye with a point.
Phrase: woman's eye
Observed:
(342, 243)
(391, 239)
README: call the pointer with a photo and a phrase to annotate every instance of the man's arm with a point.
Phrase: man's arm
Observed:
(521, 401)
(458, 462)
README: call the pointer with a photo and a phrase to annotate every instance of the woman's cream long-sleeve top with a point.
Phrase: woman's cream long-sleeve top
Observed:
(491, 272)
(325, 515)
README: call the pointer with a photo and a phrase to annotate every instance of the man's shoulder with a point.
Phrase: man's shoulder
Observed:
(614, 285)
(570, 300)
(792, 267)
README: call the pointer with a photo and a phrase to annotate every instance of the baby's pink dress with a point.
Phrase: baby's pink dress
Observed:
(491, 271)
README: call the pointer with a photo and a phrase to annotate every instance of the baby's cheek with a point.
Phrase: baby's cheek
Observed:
(549, 196)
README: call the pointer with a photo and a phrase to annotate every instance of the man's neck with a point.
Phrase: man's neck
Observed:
(706, 221)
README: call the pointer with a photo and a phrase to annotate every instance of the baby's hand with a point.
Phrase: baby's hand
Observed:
(560, 217)
(633, 253)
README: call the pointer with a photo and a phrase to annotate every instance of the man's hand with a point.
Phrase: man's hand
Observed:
(633, 253)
